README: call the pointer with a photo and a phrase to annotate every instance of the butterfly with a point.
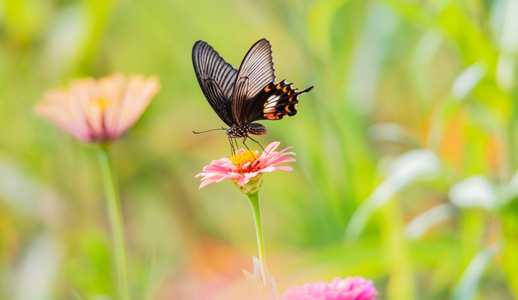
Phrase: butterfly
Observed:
(242, 97)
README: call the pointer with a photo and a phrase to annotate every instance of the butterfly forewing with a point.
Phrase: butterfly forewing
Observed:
(255, 73)
(216, 78)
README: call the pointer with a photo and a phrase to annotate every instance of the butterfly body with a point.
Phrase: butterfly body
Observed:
(242, 131)
(242, 97)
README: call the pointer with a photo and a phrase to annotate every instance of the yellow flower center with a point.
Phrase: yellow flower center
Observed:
(241, 159)
(101, 102)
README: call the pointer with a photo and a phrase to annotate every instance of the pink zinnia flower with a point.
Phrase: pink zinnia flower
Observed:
(99, 110)
(350, 288)
(246, 165)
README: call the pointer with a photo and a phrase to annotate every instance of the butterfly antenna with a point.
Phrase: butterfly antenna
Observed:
(198, 132)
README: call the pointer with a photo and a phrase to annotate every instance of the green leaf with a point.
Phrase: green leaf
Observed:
(467, 286)
(420, 224)
(402, 171)
(474, 191)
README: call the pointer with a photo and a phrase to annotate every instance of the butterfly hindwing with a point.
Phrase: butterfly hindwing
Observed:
(216, 78)
(275, 101)
(256, 72)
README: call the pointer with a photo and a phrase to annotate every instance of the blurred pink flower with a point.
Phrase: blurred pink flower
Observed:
(99, 110)
(246, 165)
(350, 288)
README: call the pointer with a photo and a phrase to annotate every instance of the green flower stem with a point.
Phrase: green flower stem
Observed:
(256, 208)
(114, 212)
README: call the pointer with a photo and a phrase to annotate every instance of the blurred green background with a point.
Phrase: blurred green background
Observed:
(406, 149)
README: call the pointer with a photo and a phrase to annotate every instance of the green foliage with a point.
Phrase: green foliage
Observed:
(392, 78)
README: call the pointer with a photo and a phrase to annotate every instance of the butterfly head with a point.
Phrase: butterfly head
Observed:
(232, 132)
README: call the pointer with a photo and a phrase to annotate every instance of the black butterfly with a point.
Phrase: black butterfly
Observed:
(242, 97)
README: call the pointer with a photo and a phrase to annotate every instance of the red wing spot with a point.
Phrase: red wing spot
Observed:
(291, 98)
(289, 93)
(284, 90)
(287, 108)
(272, 116)
(278, 86)
(267, 89)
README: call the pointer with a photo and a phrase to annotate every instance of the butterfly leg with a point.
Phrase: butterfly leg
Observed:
(256, 143)
(231, 142)
(236, 143)
(244, 139)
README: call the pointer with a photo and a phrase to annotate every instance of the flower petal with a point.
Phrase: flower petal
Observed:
(284, 168)
(282, 160)
(350, 288)
(93, 111)
(243, 180)
(215, 168)
(270, 148)
(267, 169)
(247, 168)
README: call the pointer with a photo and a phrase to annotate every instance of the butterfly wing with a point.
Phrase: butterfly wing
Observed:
(256, 72)
(276, 101)
(216, 78)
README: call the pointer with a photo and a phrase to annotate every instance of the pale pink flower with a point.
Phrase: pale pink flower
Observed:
(99, 110)
(246, 165)
(350, 288)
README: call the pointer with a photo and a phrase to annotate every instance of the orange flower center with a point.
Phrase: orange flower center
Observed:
(241, 159)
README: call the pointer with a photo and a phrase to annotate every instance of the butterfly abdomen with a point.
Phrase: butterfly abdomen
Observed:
(282, 100)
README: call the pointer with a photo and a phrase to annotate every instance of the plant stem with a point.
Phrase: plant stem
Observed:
(256, 208)
(115, 216)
